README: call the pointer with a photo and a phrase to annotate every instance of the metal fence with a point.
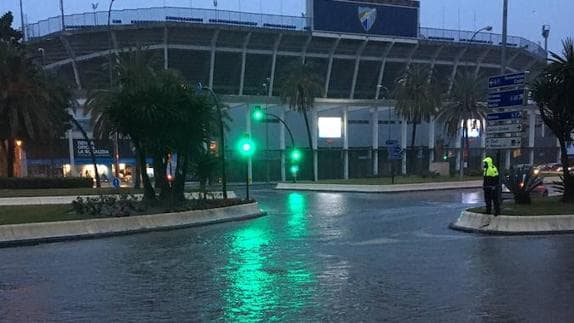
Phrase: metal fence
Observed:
(145, 16)
(164, 14)
(485, 38)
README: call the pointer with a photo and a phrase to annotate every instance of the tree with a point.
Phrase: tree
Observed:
(162, 116)
(418, 97)
(465, 104)
(299, 89)
(553, 91)
(7, 33)
(30, 107)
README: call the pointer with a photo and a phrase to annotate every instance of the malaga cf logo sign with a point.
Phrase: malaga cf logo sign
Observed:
(367, 16)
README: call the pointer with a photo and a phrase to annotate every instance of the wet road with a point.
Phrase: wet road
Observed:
(316, 257)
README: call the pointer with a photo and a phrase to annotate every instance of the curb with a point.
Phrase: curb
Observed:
(15, 235)
(378, 189)
(485, 224)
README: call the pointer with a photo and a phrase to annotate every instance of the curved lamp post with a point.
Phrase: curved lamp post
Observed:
(221, 135)
(465, 126)
(259, 114)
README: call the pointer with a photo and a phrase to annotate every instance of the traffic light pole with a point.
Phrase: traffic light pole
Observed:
(258, 115)
(221, 136)
(247, 160)
(284, 124)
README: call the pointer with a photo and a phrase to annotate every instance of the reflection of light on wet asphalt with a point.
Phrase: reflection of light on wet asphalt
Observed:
(471, 198)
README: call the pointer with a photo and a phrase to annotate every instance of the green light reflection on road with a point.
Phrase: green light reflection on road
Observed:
(297, 206)
(264, 285)
(250, 294)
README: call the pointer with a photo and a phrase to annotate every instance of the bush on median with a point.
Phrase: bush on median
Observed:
(14, 183)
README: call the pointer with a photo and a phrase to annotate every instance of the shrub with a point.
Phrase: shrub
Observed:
(45, 182)
(521, 181)
(428, 174)
(108, 205)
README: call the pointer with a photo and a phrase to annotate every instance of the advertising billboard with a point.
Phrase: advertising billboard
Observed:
(379, 18)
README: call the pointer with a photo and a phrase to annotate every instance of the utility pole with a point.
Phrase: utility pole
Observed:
(504, 36)
(22, 20)
(62, 14)
(546, 34)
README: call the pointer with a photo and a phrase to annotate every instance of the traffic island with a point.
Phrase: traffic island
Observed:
(383, 185)
(41, 232)
(474, 222)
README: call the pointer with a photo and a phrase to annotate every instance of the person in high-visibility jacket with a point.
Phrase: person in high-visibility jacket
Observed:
(491, 186)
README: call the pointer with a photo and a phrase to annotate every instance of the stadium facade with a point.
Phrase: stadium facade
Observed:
(358, 47)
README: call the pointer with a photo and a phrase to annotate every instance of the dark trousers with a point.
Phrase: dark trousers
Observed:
(491, 197)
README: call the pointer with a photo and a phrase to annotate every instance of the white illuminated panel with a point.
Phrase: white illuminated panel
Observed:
(473, 128)
(330, 127)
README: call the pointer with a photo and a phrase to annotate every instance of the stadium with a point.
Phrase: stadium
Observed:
(359, 48)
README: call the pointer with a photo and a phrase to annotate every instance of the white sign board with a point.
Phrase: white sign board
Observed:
(517, 127)
(330, 127)
(503, 143)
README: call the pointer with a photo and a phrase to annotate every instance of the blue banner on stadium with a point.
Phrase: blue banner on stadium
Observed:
(364, 17)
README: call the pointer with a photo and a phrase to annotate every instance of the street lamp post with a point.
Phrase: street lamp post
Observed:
(465, 126)
(62, 14)
(94, 7)
(221, 135)
(546, 34)
(116, 137)
(24, 34)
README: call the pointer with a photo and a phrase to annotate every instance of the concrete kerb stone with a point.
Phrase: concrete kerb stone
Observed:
(59, 200)
(513, 225)
(398, 188)
(35, 233)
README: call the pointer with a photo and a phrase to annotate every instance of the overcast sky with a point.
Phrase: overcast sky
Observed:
(525, 16)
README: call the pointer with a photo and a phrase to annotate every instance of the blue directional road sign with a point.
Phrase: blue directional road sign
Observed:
(116, 182)
(506, 99)
(516, 79)
(394, 150)
(504, 116)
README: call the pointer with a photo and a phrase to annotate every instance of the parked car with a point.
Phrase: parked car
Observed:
(540, 191)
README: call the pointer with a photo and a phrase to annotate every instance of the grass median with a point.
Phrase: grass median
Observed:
(539, 207)
(37, 213)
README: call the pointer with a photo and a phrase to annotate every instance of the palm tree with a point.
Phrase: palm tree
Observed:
(553, 91)
(116, 110)
(29, 108)
(418, 97)
(465, 104)
(299, 89)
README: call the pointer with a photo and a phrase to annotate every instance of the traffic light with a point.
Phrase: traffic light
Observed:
(257, 113)
(296, 155)
(246, 146)
(294, 170)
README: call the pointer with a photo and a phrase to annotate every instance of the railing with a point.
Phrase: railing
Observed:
(485, 38)
(144, 16)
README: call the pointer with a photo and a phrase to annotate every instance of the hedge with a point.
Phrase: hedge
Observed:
(45, 182)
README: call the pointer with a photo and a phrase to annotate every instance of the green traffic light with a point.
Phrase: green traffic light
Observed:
(445, 157)
(296, 155)
(294, 169)
(246, 146)
(258, 113)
